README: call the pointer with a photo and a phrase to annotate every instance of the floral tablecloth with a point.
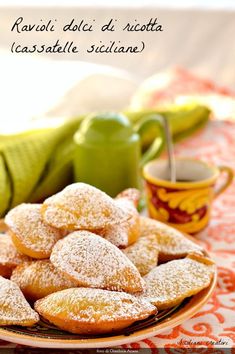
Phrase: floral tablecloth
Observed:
(214, 325)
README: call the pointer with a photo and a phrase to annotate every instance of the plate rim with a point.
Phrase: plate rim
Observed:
(189, 310)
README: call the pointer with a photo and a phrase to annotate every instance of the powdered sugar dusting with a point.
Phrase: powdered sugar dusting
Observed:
(9, 256)
(176, 280)
(26, 223)
(81, 206)
(132, 194)
(170, 241)
(40, 278)
(94, 305)
(143, 254)
(95, 262)
(116, 234)
(121, 234)
(14, 309)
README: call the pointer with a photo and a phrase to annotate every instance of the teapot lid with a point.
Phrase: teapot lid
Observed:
(104, 128)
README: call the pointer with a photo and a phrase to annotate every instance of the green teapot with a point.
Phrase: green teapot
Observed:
(108, 152)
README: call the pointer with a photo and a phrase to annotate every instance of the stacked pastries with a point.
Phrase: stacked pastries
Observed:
(90, 263)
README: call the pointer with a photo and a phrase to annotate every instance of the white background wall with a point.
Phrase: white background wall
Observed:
(201, 40)
(199, 36)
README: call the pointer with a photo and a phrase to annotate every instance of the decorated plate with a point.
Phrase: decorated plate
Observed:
(45, 335)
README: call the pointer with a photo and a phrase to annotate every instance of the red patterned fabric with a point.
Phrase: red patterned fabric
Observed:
(214, 325)
(181, 82)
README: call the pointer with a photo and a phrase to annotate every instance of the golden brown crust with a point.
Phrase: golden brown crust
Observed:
(14, 309)
(9, 256)
(94, 262)
(81, 207)
(30, 235)
(5, 271)
(143, 254)
(170, 283)
(172, 243)
(127, 232)
(132, 194)
(40, 278)
(3, 226)
(93, 311)
(199, 258)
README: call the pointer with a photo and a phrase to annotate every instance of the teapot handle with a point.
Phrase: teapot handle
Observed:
(151, 131)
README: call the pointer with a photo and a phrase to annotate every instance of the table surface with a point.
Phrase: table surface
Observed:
(215, 321)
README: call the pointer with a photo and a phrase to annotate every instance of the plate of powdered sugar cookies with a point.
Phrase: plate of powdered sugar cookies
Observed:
(84, 270)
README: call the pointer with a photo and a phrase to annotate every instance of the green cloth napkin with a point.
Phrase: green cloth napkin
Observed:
(59, 172)
(36, 164)
(5, 188)
(183, 121)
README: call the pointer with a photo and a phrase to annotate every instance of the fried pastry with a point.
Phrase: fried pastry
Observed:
(132, 194)
(94, 262)
(30, 235)
(127, 232)
(40, 278)
(81, 207)
(3, 226)
(9, 256)
(143, 254)
(171, 242)
(170, 283)
(5, 271)
(93, 311)
(14, 309)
